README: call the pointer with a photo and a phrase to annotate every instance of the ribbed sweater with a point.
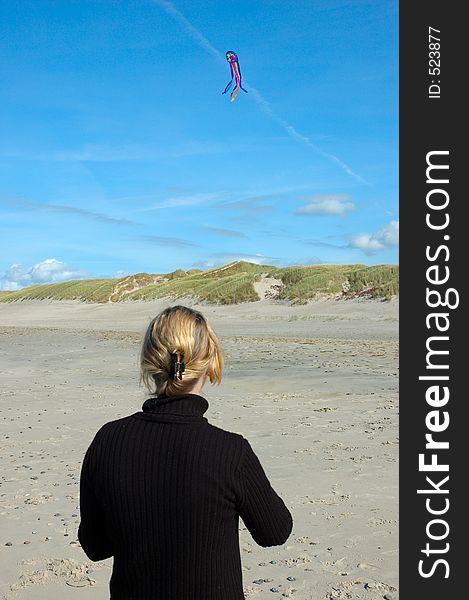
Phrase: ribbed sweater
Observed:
(162, 491)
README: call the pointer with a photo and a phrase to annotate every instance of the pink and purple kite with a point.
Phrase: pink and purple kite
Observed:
(232, 59)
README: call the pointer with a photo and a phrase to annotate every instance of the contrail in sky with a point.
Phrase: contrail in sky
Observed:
(256, 95)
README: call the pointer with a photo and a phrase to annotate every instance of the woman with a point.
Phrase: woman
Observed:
(162, 490)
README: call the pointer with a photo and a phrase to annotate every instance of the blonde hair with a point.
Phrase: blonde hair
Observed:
(179, 329)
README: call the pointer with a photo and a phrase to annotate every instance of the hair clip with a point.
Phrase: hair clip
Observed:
(177, 366)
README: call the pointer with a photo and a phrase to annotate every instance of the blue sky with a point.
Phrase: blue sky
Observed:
(119, 154)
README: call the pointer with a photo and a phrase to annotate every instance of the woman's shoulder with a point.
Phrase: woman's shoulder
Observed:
(231, 444)
(229, 436)
(109, 427)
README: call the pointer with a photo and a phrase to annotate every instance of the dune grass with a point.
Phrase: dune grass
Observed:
(91, 290)
(229, 284)
(376, 282)
(227, 289)
(305, 283)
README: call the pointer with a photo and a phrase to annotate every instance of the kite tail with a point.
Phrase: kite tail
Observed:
(237, 74)
(235, 93)
(228, 85)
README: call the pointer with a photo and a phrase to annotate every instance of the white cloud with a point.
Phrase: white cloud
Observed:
(127, 152)
(257, 258)
(219, 259)
(47, 271)
(64, 209)
(332, 204)
(205, 264)
(225, 232)
(370, 243)
(185, 200)
(121, 273)
(307, 260)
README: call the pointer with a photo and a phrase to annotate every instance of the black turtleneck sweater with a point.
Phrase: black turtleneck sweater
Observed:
(162, 491)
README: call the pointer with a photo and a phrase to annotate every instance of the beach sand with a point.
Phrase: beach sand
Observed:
(312, 387)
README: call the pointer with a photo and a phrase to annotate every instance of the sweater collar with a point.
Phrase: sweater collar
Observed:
(182, 406)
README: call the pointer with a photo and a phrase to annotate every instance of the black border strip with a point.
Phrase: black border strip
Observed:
(432, 259)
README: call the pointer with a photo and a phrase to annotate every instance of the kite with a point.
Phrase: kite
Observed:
(232, 59)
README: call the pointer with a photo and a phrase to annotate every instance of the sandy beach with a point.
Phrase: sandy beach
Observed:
(313, 387)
